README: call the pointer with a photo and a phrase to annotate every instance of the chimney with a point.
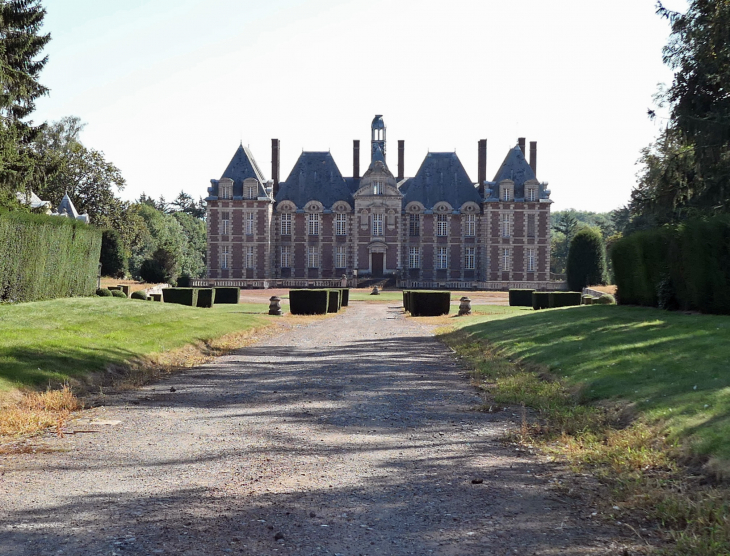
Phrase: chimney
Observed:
(401, 159)
(533, 156)
(275, 165)
(521, 141)
(482, 166)
(356, 159)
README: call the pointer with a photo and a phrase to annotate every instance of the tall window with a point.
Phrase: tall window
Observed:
(414, 258)
(414, 225)
(505, 225)
(530, 225)
(285, 256)
(530, 259)
(313, 224)
(531, 194)
(377, 187)
(377, 224)
(312, 257)
(341, 224)
(249, 223)
(469, 258)
(286, 224)
(225, 190)
(442, 224)
(249, 256)
(340, 257)
(470, 225)
(506, 194)
(225, 223)
(442, 258)
(251, 190)
(225, 254)
(505, 259)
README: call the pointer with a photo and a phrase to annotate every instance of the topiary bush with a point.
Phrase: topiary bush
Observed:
(540, 300)
(183, 281)
(406, 305)
(103, 292)
(308, 302)
(520, 297)
(139, 294)
(119, 293)
(586, 265)
(344, 297)
(564, 299)
(206, 297)
(226, 295)
(181, 296)
(333, 302)
(429, 304)
(606, 299)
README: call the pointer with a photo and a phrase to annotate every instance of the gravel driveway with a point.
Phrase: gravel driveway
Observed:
(352, 435)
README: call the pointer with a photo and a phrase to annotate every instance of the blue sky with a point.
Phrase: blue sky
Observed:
(169, 88)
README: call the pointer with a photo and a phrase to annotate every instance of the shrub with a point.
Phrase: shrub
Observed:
(564, 299)
(540, 300)
(139, 294)
(607, 299)
(152, 272)
(119, 293)
(206, 297)
(45, 257)
(308, 302)
(113, 258)
(406, 305)
(183, 281)
(345, 297)
(227, 295)
(586, 265)
(333, 302)
(429, 304)
(103, 292)
(181, 296)
(520, 298)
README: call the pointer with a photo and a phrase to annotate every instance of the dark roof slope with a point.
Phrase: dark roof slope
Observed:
(516, 168)
(315, 177)
(241, 167)
(441, 177)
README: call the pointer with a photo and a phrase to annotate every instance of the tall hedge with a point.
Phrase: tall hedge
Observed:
(684, 267)
(586, 264)
(44, 257)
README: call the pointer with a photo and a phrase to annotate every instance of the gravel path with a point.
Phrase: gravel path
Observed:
(352, 435)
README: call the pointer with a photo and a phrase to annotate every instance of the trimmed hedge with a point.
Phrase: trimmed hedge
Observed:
(45, 257)
(406, 304)
(206, 297)
(684, 267)
(181, 296)
(308, 302)
(520, 298)
(139, 294)
(429, 303)
(227, 295)
(564, 299)
(333, 303)
(119, 293)
(156, 297)
(345, 295)
(103, 292)
(540, 300)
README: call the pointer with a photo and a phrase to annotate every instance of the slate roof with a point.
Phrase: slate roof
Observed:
(516, 168)
(441, 177)
(315, 177)
(241, 167)
(67, 207)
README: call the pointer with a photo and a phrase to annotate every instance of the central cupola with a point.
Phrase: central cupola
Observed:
(377, 138)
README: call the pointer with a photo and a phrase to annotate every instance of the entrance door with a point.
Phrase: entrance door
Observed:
(378, 264)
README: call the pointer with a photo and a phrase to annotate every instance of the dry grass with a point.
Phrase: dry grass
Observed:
(28, 413)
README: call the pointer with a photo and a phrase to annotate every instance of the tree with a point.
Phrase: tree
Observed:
(113, 258)
(20, 67)
(185, 203)
(161, 267)
(586, 260)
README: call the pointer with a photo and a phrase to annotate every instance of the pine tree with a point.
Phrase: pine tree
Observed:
(21, 46)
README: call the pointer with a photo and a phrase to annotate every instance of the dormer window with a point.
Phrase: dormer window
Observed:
(377, 187)
(531, 194)
(506, 194)
(226, 190)
(250, 189)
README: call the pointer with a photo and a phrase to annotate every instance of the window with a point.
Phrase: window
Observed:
(224, 256)
(225, 223)
(531, 194)
(442, 258)
(505, 225)
(312, 257)
(377, 187)
(530, 259)
(249, 223)
(340, 257)
(251, 190)
(414, 258)
(530, 225)
(313, 224)
(442, 225)
(470, 225)
(249, 256)
(505, 259)
(285, 256)
(469, 258)
(286, 224)
(225, 190)
(506, 194)
(377, 224)
(341, 224)
(414, 225)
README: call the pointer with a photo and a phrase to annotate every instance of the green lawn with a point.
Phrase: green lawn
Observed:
(63, 338)
(674, 367)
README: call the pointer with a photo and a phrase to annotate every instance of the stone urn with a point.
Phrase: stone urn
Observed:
(375, 291)
(275, 306)
(464, 306)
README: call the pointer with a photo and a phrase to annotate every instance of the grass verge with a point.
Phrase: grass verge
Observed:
(634, 395)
